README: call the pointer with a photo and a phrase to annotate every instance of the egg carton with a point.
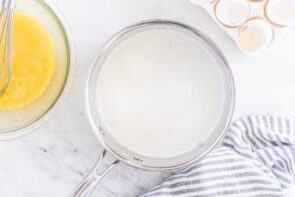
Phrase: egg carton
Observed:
(253, 24)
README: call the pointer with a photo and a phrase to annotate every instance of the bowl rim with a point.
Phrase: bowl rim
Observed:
(45, 116)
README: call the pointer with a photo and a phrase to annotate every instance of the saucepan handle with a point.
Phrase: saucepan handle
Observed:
(85, 188)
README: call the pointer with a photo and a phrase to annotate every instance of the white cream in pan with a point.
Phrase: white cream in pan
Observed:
(160, 93)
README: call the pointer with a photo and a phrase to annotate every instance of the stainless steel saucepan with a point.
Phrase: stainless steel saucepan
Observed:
(120, 151)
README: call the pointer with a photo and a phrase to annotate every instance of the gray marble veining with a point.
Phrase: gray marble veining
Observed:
(52, 160)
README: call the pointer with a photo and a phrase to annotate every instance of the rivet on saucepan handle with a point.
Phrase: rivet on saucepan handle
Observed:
(88, 184)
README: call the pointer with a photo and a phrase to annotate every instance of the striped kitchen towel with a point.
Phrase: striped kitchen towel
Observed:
(257, 158)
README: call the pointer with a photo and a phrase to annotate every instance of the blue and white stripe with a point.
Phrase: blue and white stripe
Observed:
(257, 158)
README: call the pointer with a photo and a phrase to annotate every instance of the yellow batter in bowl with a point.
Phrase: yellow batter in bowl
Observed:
(33, 63)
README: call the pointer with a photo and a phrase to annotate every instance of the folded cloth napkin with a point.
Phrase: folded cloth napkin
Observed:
(257, 158)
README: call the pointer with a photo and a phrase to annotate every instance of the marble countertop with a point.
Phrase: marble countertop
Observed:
(52, 160)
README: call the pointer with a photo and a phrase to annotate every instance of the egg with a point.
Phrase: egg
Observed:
(33, 63)
(255, 36)
(281, 12)
(232, 13)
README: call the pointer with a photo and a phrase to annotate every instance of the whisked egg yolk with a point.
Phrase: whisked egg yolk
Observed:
(33, 63)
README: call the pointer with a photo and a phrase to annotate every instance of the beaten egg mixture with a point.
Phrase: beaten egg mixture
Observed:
(33, 63)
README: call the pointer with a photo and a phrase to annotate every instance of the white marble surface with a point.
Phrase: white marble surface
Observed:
(52, 160)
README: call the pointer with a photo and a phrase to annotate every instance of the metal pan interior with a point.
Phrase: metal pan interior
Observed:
(201, 147)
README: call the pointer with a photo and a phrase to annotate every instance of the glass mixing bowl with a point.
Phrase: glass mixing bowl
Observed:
(18, 122)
